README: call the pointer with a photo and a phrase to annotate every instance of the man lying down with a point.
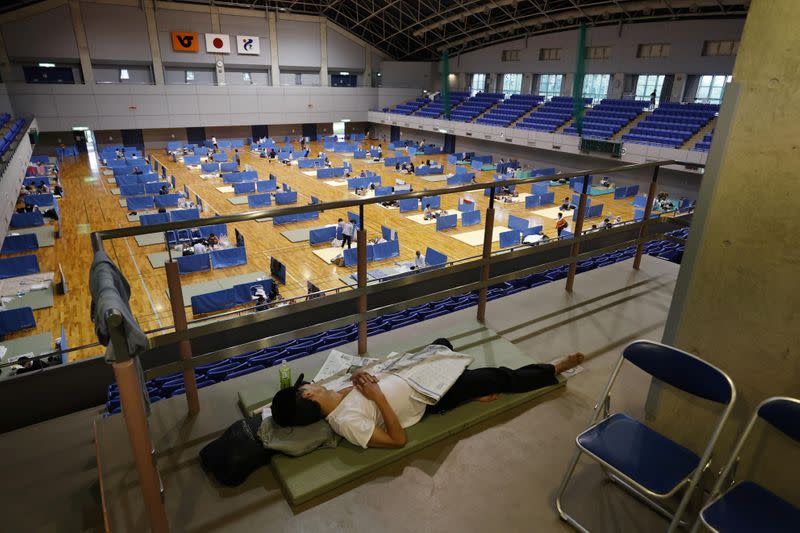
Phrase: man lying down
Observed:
(383, 400)
(377, 408)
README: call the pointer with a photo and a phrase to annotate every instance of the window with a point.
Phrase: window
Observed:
(720, 48)
(123, 74)
(48, 74)
(550, 84)
(509, 55)
(189, 76)
(595, 86)
(598, 52)
(298, 79)
(549, 54)
(646, 84)
(246, 77)
(344, 80)
(653, 50)
(512, 84)
(478, 82)
(711, 88)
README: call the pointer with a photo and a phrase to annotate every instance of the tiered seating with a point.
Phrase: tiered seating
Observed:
(608, 117)
(551, 115)
(8, 137)
(436, 108)
(705, 144)
(672, 124)
(172, 385)
(409, 107)
(474, 106)
(510, 110)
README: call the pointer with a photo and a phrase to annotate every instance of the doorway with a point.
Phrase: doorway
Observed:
(338, 130)
(84, 139)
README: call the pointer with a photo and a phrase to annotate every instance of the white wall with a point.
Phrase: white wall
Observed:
(47, 35)
(233, 26)
(299, 44)
(116, 33)
(344, 54)
(410, 74)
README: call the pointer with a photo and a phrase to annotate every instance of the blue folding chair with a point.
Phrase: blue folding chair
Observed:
(639, 458)
(184, 236)
(746, 505)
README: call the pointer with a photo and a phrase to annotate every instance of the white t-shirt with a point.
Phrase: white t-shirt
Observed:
(419, 261)
(355, 417)
(348, 229)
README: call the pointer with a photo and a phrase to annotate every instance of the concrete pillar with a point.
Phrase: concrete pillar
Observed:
(323, 50)
(275, 69)
(152, 34)
(566, 84)
(367, 66)
(527, 83)
(735, 302)
(678, 87)
(219, 59)
(83, 44)
(617, 85)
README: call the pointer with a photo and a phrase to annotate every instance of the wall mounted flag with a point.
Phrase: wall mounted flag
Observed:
(248, 45)
(217, 43)
(185, 41)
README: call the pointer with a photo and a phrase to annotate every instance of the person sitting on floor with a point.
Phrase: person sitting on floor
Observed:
(200, 247)
(377, 240)
(429, 213)
(137, 170)
(607, 223)
(376, 410)
(213, 241)
(163, 190)
(30, 365)
(604, 182)
(419, 261)
(567, 205)
(57, 190)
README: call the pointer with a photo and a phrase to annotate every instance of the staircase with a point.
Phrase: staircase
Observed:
(565, 125)
(697, 137)
(525, 115)
(488, 109)
(626, 128)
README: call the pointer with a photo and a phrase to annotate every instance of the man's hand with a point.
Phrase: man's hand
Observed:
(363, 376)
(368, 386)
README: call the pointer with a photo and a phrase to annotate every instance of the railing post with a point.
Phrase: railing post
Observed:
(487, 252)
(361, 254)
(648, 210)
(184, 347)
(577, 231)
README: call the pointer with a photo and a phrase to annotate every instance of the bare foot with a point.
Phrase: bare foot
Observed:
(488, 398)
(570, 361)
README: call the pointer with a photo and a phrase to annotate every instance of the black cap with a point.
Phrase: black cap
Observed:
(289, 408)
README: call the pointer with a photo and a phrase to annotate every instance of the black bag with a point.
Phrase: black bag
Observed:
(236, 453)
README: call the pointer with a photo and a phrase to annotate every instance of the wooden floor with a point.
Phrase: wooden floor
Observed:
(89, 205)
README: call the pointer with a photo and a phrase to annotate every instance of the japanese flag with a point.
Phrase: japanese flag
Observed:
(217, 43)
(248, 45)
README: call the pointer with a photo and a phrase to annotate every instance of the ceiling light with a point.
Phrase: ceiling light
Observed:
(47, 65)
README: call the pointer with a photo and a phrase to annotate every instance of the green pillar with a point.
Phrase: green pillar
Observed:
(577, 82)
(446, 83)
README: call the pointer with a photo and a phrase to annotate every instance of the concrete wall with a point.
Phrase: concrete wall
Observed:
(11, 181)
(409, 74)
(5, 101)
(116, 33)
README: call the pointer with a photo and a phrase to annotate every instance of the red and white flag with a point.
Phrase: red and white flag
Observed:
(217, 43)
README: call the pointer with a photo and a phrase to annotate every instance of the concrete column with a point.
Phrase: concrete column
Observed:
(5, 63)
(83, 44)
(617, 85)
(219, 59)
(735, 302)
(275, 69)
(527, 83)
(152, 34)
(678, 87)
(367, 66)
(492, 82)
(323, 52)
(566, 84)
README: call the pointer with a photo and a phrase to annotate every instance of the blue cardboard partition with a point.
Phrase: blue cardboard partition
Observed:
(244, 188)
(633, 190)
(232, 177)
(266, 185)
(408, 204)
(383, 191)
(382, 251)
(283, 198)
(540, 188)
(286, 219)
(191, 160)
(132, 190)
(259, 200)
(150, 188)
(510, 238)
(535, 230)
(517, 223)
(149, 177)
(194, 263)
(359, 154)
(434, 257)
(127, 180)
(543, 171)
(322, 235)
(36, 180)
(640, 201)
(18, 266)
(314, 200)
(155, 218)
(476, 164)
(434, 201)
(576, 198)
(42, 200)
(25, 242)
(227, 166)
(355, 217)
(620, 193)
(216, 229)
(213, 301)
(350, 256)
(375, 153)
(41, 159)
(209, 168)
(638, 214)
(446, 222)
(166, 200)
(26, 220)
(243, 291)
(140, 203)
(229, 257)
(249, 175)
(463, 178)
(466, 206)
(182, 214)
(461, 170)
(470, 218)
(16, 320)
(388, 233)
(482, 158)
(532, 201)
(221, 157)
(325, 173)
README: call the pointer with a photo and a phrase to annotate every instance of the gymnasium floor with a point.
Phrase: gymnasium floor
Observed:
(89, 205)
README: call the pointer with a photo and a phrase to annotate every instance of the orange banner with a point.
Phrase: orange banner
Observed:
(185, 41)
